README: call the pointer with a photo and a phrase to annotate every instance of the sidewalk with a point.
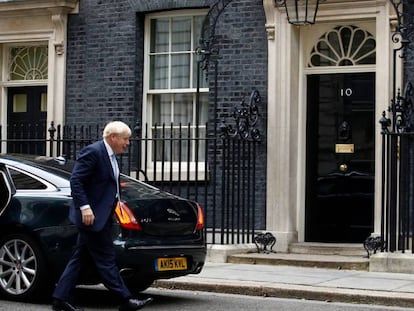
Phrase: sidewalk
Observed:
(393, 289)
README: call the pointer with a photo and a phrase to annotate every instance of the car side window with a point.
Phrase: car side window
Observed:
(24, 182)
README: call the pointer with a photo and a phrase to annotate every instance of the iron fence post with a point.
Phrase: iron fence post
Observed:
(52, 131)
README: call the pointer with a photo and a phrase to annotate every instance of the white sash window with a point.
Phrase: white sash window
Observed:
(170, 88)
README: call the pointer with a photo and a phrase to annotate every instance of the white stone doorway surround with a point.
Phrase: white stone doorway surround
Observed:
(288, 51)
(36, 23)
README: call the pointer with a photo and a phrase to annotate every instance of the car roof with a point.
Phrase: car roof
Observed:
(42, 166)
(58, 171)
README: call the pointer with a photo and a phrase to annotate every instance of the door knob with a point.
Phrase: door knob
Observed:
(343, 167)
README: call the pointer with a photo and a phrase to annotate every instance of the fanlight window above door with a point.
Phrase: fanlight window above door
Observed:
(343, 46)
(28, 63)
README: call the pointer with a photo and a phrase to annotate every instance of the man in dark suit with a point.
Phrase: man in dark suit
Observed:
(95, 191)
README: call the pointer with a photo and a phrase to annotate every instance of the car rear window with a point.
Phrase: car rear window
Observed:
(131, 189)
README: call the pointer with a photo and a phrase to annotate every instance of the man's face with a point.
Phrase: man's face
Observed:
(118, 142)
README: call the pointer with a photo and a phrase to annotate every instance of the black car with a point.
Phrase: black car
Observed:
(156, 234)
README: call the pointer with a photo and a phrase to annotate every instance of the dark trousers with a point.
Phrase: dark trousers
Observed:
(99, 246)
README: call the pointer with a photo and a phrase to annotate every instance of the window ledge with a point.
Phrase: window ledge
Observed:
(173, 173)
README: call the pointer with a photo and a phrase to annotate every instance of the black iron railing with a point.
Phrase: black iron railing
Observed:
(397, 187)
(218, 172)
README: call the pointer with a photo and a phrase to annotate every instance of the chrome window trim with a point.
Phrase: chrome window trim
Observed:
(49, 187)
(4, 176)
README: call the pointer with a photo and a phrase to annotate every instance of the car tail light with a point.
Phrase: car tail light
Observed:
(200, 218)
(126, 217)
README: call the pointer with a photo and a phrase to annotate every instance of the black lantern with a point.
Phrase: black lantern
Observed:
(300, 12)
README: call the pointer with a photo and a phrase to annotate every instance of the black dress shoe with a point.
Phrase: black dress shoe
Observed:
(134, 304)
(60, 305)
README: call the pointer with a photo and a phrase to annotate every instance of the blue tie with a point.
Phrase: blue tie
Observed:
(115, 168)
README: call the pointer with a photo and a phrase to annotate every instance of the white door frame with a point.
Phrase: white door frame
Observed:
(288, 47)
(40, 23)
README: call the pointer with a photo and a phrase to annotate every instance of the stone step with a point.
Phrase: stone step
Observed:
(341, 249)
(321, 255)
(302, 260)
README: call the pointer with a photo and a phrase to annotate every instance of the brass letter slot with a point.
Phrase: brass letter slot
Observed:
(344, 148)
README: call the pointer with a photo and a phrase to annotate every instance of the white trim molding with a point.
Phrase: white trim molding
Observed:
(288, 49)
(40, 22)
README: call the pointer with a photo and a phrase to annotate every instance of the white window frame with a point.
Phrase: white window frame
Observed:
(186, 171)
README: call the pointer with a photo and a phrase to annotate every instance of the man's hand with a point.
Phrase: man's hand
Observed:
(87, 217)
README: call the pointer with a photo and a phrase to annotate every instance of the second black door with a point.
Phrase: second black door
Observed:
(26, 119)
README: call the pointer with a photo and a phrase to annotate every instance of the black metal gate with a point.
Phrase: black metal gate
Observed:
(397, 217)
(397, 195)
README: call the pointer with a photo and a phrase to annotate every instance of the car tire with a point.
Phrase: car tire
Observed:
(22, 268)
(139, 286)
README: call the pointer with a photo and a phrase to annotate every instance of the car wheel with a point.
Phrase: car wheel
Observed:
(22, 267)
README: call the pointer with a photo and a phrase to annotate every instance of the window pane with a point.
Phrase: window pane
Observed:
(181, 34)
(180, 71)
(159, 72)
(159, 35)
(179, 144)
(201, 145)
(198, 23)
(20, 103)
(172, 148)
(43, 102)
(345, 38)
(180, 151)
(366, 54)
(183, 109)
(344, 46)
(203, 78)
(203, 108)
(161, 109)
(359, 37)
(28, 63)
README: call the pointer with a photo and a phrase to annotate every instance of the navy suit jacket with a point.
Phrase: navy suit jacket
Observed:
(93, 182)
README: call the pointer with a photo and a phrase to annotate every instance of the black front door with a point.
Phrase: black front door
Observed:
(340, 157)
(26, 119)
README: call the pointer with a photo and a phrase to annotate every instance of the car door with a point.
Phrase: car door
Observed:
(7, 189)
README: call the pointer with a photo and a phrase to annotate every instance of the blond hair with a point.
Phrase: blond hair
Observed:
(116, 127)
